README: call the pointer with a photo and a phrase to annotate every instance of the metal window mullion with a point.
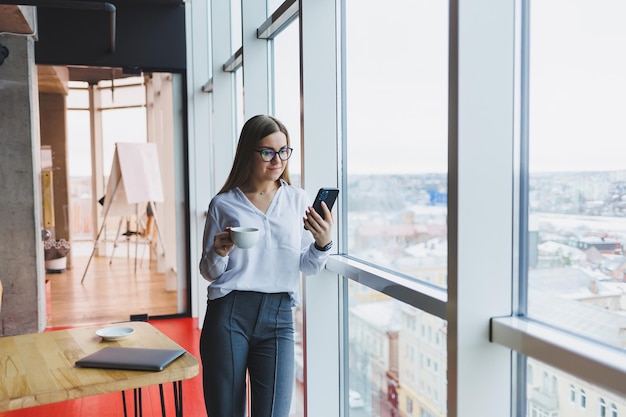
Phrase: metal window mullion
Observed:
(322, 293)
(208, 86)
(279, 20)
(520, 201)
(234, 62)
(480, 206)
(198, 35)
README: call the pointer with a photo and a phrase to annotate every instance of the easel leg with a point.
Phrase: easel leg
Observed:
(88, 262)
(137, 237)
(117, 236)
(95, 246)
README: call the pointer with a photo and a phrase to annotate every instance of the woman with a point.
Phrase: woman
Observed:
(248, 325)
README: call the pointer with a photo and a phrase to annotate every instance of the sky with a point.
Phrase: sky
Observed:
(578, 85)
(397, 91)
(397, 117)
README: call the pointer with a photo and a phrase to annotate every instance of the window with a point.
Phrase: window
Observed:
(239, 102)
(392, 149)
(577, 181)
(287, 91)
(396, 135)
(602, 408)
(371, 373)
(119, 102)
(613, 410)
(575, 224)
(235, 26)
(79, 167)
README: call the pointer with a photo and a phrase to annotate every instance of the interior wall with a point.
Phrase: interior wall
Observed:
(53, 127)
(21, 247)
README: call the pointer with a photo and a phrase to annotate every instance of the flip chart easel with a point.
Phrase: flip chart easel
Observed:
(135, 181)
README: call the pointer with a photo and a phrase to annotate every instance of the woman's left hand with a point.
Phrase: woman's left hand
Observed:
(320, 227)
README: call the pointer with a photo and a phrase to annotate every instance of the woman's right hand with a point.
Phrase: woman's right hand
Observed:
(222, 244)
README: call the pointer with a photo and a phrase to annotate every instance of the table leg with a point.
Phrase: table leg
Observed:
(124, 403)
(178, 398)
(162, 400)
(138, 403)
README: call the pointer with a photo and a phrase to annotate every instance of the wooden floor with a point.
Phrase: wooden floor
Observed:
(110, 292)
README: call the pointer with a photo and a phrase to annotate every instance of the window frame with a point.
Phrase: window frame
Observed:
(591, 361)
(492, 338)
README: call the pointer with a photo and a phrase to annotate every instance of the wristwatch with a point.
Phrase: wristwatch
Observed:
(325, 248)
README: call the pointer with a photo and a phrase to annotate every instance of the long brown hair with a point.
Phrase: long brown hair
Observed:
(255, 129)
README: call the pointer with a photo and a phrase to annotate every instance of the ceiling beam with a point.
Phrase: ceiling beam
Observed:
(17, 20)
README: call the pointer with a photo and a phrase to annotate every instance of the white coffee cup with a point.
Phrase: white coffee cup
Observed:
(244, 237)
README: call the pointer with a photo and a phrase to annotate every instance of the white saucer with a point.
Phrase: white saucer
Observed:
(115, 333)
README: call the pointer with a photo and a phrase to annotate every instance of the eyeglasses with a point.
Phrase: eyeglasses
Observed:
(268, 155)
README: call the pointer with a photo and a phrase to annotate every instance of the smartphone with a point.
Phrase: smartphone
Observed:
(327, 195)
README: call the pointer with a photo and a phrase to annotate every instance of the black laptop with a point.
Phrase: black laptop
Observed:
(127, 358)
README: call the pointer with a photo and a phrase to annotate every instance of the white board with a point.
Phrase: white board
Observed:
(135, 179)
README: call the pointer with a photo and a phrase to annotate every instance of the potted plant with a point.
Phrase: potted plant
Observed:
(55, 254)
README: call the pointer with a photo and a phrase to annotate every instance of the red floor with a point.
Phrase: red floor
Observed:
(182, 331)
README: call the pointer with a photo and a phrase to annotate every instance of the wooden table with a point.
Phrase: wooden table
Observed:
(38, 368)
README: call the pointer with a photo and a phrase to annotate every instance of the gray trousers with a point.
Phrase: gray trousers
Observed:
(253, 332)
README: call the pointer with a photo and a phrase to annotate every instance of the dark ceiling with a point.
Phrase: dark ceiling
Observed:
(147, 36)
(96, 44)
(75, 43)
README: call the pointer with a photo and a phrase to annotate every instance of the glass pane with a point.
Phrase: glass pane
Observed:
(79, 171)
(553, 393)
(577, 180)
(239, 103)
(397, 127)
(272, 5)
(123, 92)
(397, 357)
(235, 26)
(78, 95)
(287, 92)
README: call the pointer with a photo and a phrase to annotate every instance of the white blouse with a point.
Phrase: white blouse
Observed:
(283, 250)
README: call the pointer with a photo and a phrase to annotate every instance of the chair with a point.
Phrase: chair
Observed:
(145, 233)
